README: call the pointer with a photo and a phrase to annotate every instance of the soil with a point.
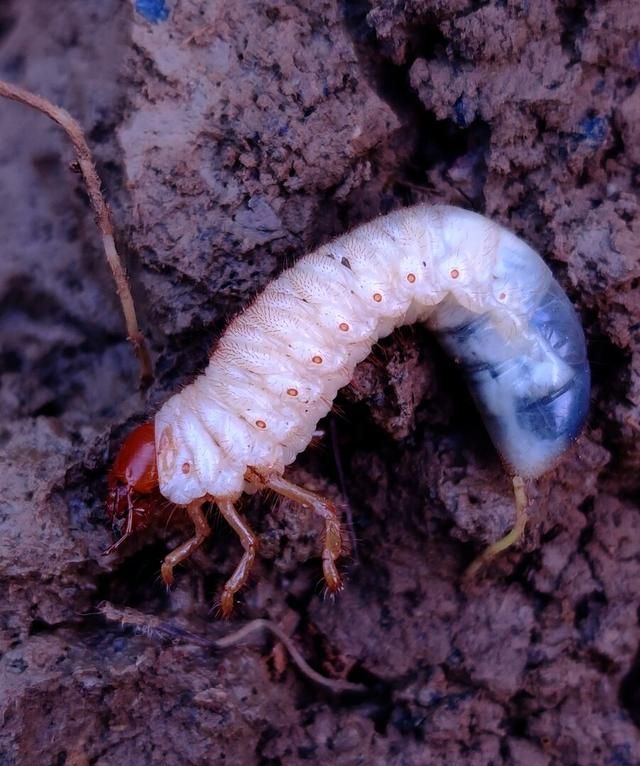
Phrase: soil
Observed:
(232, 137)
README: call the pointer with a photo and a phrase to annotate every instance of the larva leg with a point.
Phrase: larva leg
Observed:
(250, 545)
(182, 552)
(332, 543)
(512, 537)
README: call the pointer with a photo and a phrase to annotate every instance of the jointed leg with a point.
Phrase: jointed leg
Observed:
(182, 552)
(512, 537)
(332, 543)
(250, 545)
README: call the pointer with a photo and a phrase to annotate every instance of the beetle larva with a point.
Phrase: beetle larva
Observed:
(490, 298)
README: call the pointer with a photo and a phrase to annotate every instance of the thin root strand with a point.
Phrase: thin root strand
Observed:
(511, 538)
(150, 625)
(102, 216)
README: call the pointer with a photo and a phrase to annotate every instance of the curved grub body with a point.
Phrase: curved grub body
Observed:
(280, 363)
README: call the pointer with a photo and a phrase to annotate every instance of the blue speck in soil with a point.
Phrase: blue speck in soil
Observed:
(460, 112)
(593, 129)
(153, 10)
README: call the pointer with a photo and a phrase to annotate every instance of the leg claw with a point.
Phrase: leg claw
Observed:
(166, 572)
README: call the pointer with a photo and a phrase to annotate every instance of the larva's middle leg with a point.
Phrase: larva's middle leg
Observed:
(333, 545)
(511, 538)
(182, 552)
(250, 545)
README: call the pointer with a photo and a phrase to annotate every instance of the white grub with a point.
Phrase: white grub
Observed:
(281, 362)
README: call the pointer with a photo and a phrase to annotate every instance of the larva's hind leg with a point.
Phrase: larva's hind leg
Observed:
(512, 537)
(332, 543)
(182, 552)
(250, 545)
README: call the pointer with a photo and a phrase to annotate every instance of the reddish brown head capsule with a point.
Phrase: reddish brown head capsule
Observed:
(133, 495)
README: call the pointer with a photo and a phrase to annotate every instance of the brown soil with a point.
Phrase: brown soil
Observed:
(232, 137)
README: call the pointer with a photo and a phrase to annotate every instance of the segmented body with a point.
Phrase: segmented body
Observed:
(280, 363)
(274, 374)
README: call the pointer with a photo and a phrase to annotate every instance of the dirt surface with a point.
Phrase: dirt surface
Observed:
(232, 137)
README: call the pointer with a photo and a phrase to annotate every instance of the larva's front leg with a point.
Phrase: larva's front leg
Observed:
(333, 546)
(250, 545)
(182, 552)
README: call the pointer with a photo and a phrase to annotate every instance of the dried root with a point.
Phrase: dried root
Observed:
(103, 218)
(153, 626)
